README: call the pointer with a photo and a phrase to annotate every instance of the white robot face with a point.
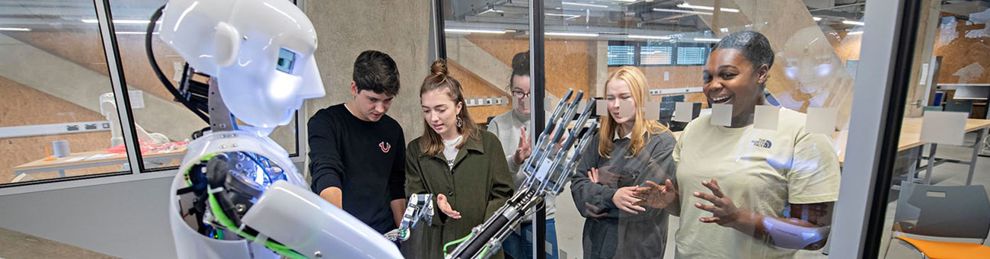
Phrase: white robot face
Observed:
(260, 52)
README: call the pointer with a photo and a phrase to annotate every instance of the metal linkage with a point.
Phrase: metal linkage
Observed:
(554, 159)
(420, 207)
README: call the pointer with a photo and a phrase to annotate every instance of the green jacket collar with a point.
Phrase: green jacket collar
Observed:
(473, 143)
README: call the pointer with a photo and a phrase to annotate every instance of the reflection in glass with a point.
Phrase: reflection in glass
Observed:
(630, 153)
(160, 114)
(55, 83)
(747, 192)
(816, 47)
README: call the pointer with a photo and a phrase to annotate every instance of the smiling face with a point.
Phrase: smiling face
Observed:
(440, 112)
(730, 78)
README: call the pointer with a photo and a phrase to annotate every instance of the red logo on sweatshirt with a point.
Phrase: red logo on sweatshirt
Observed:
(385, 146)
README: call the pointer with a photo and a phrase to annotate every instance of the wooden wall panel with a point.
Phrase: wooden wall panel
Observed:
(567, 62)
(86, 49)
(961, 52)
(475, 87)
(570, 64)
(23, 105)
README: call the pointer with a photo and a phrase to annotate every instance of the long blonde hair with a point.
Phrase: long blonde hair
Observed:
(439, 79)
(642, 128)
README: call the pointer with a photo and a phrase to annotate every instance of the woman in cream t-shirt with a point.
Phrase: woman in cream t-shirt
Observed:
(744, 192)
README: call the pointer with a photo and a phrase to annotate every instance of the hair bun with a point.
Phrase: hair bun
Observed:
(439, 67)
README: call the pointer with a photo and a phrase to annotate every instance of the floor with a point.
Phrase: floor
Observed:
(569, 223)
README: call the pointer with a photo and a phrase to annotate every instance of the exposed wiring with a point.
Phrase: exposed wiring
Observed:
(158, 71)
(455, 242)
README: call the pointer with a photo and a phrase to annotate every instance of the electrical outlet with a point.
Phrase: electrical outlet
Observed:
(655, 91)
(489, 101)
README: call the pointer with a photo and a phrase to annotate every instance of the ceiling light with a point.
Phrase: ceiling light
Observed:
(584, 4)
(853, 23)
(855, 33)
(707, 8)
(816, 18)
(648, 37)
(133, 32)
(119, 21)
(571, 34)
(14, 29)
(569, 16)
(450, 30)
(680, 11)
(706, 39)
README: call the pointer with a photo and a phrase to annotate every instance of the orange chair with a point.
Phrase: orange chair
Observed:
(957, 212)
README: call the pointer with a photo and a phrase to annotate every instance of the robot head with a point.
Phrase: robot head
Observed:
(259, 51)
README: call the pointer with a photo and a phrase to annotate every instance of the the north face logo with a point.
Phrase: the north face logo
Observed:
(385, 146)
(764, 143)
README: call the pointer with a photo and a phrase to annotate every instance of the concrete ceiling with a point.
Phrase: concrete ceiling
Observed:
(620, 17)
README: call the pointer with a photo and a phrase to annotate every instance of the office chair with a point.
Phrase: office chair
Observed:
(927, 215)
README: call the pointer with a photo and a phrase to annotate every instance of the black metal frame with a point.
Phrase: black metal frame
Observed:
(123, 91)
(907, 32)
(537, 81)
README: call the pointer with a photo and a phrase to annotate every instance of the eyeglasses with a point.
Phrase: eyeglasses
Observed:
(520, 94)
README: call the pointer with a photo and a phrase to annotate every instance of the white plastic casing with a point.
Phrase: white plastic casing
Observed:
(238, 42)
(300, 219)
(189, 243)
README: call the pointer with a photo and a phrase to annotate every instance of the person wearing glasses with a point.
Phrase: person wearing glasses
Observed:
(511, 129)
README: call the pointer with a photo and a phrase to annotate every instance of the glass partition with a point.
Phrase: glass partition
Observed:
(937, 195)
(163, 124)
(61, 117)
(750, 134)
(766, 116)
(58, 117)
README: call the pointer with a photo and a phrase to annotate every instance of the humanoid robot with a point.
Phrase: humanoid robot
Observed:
(237, 194)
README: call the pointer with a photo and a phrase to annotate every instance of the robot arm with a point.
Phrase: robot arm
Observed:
(237, 194)
(548, 169)
(420, 207)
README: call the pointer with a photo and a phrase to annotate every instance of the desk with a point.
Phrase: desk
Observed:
(93, 159)
(911, 138)
(971, 125)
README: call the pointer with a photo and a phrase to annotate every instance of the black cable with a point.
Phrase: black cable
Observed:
(158, 71)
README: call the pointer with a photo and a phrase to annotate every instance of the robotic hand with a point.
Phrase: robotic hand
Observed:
(548, 169)
(237, 194)
(420, 207)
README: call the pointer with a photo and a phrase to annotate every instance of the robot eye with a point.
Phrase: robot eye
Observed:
(286, 60)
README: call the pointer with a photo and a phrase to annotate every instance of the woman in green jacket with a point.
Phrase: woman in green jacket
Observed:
(463, 167)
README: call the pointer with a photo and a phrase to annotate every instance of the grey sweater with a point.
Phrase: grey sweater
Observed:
(608, 231)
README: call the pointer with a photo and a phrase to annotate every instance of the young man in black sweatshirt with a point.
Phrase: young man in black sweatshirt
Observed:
(356, 152)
